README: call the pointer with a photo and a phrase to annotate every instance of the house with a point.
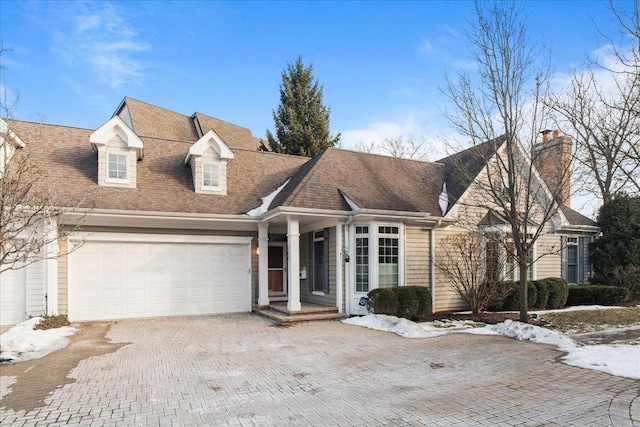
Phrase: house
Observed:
(182, 215)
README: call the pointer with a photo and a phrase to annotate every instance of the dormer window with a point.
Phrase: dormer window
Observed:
(211, 176)
(119, 149)
(117, 167)
(208, 159)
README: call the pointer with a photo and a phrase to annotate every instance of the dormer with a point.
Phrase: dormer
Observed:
(119, 149)
(9, 143)
(208, 159)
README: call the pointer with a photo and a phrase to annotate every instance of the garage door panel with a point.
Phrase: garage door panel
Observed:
(109, 280)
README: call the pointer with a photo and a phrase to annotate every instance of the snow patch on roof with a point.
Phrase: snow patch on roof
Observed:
(266, 201)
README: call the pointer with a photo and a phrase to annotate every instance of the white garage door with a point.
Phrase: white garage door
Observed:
(125, 279)
(12, 297)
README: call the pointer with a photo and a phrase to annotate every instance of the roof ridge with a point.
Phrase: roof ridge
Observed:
(46, 124)
(224, 121)
(383, 156)
(156, 106)
(314, 161)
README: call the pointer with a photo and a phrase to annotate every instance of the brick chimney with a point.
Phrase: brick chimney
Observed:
(552, 159)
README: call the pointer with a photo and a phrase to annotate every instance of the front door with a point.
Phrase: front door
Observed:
(278, 271)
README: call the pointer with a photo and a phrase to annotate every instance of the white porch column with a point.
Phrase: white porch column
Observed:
(339, 261)
(293, 264)
(263, 264)
(51, 265)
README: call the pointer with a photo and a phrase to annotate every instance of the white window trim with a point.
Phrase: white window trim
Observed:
(212, 187)
(126, 168)
(374, 269)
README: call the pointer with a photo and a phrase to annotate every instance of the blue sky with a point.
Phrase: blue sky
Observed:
(381, 63)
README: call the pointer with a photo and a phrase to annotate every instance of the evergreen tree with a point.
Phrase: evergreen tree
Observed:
(301, 120)
(616, 253)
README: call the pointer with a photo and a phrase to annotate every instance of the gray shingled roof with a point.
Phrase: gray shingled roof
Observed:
(462, 168)
(576, 218)
(370, 181)
(164, 182)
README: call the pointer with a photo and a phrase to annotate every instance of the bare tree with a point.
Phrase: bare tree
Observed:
(30, 213)
(500, 110)
(601, 106)
(472, 264)
(401, 147)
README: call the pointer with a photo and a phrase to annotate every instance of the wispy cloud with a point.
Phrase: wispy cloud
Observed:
(99, 37)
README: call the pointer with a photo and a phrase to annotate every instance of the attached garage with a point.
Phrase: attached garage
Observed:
(116, 276)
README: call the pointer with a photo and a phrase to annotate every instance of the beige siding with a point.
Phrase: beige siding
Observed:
(548, 254)
(446, 298)
(417, 257)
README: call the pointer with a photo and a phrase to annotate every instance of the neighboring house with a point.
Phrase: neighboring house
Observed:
(186, 217)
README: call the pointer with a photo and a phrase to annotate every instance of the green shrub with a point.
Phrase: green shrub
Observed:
(410, 302)
(383, 301)
(542, 291)
(424, 301)
(558, 292)
(502, 293)
(597, 294)
(407, 302)
(512, 301)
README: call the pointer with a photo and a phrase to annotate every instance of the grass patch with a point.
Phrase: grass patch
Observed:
(593, 320)
(52, 322)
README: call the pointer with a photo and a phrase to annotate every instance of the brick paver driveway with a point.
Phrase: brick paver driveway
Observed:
(241, 370)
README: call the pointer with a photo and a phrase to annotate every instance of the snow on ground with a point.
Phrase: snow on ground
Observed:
(621, 359)
(22, 342)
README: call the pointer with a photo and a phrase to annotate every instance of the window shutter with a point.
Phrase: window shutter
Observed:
(326, 261)
(310, 268)
(563, 258)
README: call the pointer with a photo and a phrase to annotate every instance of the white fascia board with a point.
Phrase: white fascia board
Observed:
(212, 139)
(115, 126)
(163, 220)
(362, 213)
(12, 137)
(159, 238)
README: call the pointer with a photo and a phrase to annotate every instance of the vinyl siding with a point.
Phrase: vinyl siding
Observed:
(417, 257)
(446, 298)
(35, 289)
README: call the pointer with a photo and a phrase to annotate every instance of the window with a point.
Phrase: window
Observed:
(513, 270)
(388, 255)
(117, 168)
(362, 259)
(210, 175)
(493, 270)
(572, 260)
(319, 261)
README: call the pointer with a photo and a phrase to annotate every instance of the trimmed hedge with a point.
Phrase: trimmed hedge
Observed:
(410, 302)
(558, 292)
(597, 294)
(512, 301)
(542, 291)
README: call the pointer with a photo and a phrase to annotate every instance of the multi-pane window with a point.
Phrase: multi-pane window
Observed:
(513, 269)
(117, 166)
(210, 175)
(572, 260)
(388, 256)
(362, 259)
(493, 270)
